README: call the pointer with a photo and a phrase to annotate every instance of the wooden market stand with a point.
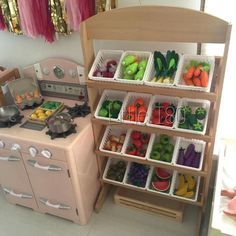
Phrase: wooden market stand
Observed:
(158, 24)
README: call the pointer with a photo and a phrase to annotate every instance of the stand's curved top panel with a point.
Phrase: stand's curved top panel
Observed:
(156, 23)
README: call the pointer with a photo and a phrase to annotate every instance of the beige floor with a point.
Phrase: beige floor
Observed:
(113, 220)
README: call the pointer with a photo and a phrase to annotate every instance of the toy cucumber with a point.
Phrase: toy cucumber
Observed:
(129, 59)
(131, 69)
(142, 65)
(139, 75)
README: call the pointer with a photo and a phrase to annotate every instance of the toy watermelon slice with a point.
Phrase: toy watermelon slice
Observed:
(162, 173)
(161, 185)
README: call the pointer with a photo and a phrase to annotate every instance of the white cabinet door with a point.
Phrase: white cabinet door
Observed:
(52, 186)
(14, 179)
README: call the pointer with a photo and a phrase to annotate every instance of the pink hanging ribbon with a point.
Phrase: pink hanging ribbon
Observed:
(78, 11)
(2, 23)
(35, 18)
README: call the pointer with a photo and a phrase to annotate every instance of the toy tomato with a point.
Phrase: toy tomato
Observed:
(165, 104)
(156, 112)
(138, 102)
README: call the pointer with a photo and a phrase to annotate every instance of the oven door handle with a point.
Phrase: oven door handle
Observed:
(57, 206)
(10, 158)
(19, 195)
(35, 164)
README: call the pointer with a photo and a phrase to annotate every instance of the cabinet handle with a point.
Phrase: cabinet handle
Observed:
(19, 195)
(57, 206)
(11, 158)
(35, 164)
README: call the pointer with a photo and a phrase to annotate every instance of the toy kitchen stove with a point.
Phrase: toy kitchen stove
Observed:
(60, 176)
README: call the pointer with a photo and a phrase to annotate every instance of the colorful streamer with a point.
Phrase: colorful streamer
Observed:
(2, 23)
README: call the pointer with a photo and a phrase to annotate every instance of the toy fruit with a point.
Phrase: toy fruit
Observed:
(103, 112)
(131, 150)
(189, 194)
(116, 171)
(138, 174)
(183, 190)
(191, 182)
(141, 152)
(156, 155)
(200, 113)
(164, 139)
(162, 173)
(181, 181)
(136, 135)
(161, 185)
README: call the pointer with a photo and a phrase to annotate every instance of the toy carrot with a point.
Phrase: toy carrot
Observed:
(204, 79)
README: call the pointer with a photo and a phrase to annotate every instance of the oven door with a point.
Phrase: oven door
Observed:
(52, 186)
(14, 179)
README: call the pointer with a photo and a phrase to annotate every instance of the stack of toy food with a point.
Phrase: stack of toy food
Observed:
(133, 67)
(161, 180)
(186, 186)
(196, 73)
(110, 109)
(107, 69)
(165, 67)
(192, 120)
(162, 150)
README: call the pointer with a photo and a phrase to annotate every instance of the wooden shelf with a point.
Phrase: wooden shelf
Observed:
(197, 203)
(147, 129)
(147, 162)
(191, 27)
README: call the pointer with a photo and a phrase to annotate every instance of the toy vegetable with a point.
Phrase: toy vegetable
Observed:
(129, 59)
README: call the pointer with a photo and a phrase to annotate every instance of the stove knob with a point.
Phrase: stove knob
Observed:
(2, 144)
(33, 151)
(46, 153)
(15, 147)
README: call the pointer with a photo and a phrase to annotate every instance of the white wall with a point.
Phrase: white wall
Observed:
(19, 51)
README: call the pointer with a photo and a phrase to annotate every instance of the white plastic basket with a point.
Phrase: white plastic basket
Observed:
(151, 74)
(160, 98)
(110, 162)
(111, 95)
(141, 56)
(128, 143)
(130, 98)
(183, 143)
(155, 138)
(175, 183)
(185, 61)
(193, 103)
(111, 130)
(101, 58)
(150, 178)
(126, 181)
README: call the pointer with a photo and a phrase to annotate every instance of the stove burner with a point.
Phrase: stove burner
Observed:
(9, 124)
(53, 135)
(79, 110)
